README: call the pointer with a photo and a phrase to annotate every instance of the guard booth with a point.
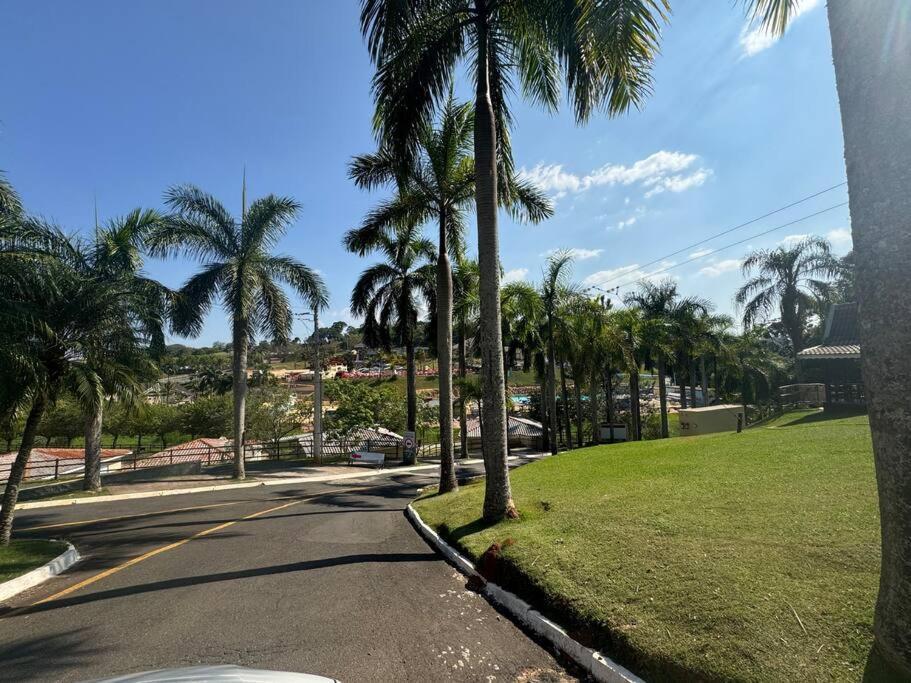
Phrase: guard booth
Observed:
(710, 420)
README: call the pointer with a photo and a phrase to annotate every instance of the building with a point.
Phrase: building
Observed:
(521, 432)
(835, 363)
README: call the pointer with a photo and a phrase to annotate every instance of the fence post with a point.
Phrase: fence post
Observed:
(56, 469)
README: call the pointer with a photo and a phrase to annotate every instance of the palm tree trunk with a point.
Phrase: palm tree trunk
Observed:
(609, 393)
(681, 379)
(463, 404)
(17, 471)
(705, 380)
(593, 407)
(552, 388)
(567, 420)
(498, 501)
(872, 58)
(662, 398)
(92, 476)
(545, 420)
(444, 360)
(577, 395)
(239, 347)
(692, 372)
(411, 417)
(634, 407)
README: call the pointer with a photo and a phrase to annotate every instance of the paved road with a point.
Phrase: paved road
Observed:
(322, 578)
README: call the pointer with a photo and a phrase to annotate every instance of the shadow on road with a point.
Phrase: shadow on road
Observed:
(63, 649)
(324, 563)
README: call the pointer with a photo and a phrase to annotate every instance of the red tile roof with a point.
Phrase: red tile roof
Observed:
(68, 454)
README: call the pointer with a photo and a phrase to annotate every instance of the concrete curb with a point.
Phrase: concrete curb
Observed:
(361, 474)
(58, 565)
(601, 668)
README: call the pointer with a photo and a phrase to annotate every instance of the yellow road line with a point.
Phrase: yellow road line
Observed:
(136, 516)
(171, 546)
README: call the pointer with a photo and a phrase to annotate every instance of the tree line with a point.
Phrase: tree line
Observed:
(598, 57)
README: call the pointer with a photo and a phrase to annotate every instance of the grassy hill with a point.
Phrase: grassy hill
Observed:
(750, 556)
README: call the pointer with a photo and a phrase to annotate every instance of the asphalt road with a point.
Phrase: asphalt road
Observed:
(328, 579)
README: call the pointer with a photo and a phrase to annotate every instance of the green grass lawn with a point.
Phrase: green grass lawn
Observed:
(693, 558)
(22, 556)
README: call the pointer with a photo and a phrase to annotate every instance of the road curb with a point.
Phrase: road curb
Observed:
(58, 565)
(31, 505)
(601, 667)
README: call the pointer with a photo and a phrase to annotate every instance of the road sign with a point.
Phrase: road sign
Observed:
(410, 441)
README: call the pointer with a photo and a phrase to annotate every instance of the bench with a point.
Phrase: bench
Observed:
(366, 458)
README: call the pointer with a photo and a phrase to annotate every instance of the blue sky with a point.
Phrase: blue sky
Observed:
(116, 101)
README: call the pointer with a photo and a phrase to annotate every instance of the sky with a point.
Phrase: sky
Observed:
(107, 104)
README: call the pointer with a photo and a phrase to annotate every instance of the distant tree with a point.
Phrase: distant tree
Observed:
(162, 420)
(11, 427)
(63, 420)
(208, 416)
(276, 413)
(138, 424)
(117, 421)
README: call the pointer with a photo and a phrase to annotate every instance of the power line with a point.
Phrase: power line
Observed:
(735, 228)
(715, 251)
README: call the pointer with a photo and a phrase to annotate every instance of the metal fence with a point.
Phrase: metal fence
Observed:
(293, 448)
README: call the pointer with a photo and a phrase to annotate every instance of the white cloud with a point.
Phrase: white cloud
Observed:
(661, 171)
(627, 275)
(791, 240)
(577, 253)
(721, 267)
(623, 224)
(514, 275)
(755, 39)
(840, 238)
(679, 183)
(699, 253)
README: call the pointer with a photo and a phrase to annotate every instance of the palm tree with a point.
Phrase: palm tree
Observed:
(604, 57)
(238, 269)
(556, 289)
(63, 328)
(875, 104)
(388, 295)
(465, 310)
(788, 278)
(668, 315)
(636, 334)
(437, 183)
(114, 262)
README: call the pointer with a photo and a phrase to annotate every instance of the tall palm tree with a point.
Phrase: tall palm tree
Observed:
(875, 104)
(389, 295)
(669, 315)
(556, 289)
(437, 183)
(790, 278)
(238, 269)
(603, 56)
(465, 278)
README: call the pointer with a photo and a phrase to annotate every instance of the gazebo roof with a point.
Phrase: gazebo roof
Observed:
(841, 340)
